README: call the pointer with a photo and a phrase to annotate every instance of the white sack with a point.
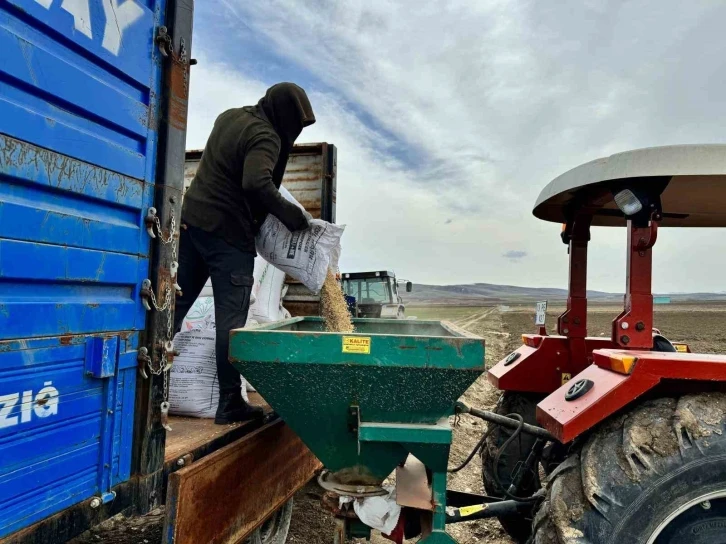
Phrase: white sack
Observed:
(269, 286)
(305, 255)
(201, 314)
(380, 513)
(193, 388)
(265, 300)
(193, 384)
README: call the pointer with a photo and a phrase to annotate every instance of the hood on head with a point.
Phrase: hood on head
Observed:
(288, 108)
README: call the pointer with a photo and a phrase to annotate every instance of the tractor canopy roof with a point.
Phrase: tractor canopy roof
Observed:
(688, 182)
(365, 275)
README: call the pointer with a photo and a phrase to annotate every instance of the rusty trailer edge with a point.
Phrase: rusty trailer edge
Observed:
(228, 494)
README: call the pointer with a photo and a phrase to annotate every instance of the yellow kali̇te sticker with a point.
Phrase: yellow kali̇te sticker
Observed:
(357, 344)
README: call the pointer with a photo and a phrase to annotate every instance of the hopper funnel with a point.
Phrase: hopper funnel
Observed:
(362, 402)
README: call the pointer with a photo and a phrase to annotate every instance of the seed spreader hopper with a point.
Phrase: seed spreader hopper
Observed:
(364, 402)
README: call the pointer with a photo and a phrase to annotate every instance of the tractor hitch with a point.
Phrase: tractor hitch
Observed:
(506, 421)
(468, 507)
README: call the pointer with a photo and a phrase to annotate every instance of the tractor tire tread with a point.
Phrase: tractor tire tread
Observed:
(616, 486)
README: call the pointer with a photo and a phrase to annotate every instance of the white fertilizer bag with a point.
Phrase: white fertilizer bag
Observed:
(305, 255)
(201, 314)
(269, 287)
(193, 385)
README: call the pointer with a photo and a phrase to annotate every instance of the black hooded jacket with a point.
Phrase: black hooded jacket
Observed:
(237, 181)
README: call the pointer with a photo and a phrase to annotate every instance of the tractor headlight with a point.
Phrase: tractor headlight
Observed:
(628, 203)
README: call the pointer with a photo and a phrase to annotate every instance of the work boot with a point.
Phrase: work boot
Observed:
(232, 408)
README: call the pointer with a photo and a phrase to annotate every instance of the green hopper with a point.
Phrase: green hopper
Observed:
(363, 401)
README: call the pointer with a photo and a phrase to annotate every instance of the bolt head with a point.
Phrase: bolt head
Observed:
(95, 502)
(706, 505)
(625, 325)
(180, 462)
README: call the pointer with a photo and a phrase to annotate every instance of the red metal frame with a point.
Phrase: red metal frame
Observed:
(632, 329)
(623, 369)
(545, 363)
(640, 371)
(573, 322)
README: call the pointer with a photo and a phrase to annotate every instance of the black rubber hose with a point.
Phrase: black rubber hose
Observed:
(478, 446)
(506, 421)
(501, 450)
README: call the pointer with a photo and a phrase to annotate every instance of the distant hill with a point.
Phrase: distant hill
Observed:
(476, 294)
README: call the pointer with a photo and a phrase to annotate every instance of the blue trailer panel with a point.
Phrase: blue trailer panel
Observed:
(79, 82)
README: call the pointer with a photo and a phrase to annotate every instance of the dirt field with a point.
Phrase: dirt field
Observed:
(702, 326)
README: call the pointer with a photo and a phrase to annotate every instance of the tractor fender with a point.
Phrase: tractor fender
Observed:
(616, 379)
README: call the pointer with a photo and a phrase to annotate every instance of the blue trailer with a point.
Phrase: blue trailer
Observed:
(93, 104)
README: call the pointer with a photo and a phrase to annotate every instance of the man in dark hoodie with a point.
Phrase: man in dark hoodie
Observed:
(235, 187)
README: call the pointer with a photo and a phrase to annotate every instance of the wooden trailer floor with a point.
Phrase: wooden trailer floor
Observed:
(196, 436)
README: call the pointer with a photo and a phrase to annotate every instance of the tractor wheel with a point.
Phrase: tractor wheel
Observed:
(653, 475)
(275, 529)
(518, 526)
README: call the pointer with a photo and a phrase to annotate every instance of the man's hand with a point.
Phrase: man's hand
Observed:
(308, 219)
(298, 219)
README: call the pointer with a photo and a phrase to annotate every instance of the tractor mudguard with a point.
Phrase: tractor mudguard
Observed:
(542, 365)
(616, 379)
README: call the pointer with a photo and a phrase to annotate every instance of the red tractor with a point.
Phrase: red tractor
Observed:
(640, 449)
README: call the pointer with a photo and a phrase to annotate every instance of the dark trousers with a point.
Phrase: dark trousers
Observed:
(202, 255)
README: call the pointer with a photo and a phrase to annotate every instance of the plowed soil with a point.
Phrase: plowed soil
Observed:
(702, 326)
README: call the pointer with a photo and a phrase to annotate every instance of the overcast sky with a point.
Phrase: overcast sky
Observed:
(450, 117)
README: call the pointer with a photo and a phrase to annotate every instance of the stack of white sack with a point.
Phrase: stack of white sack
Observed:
(193, 387)
(266, 297)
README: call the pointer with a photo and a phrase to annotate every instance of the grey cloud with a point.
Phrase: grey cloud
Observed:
(497, 98)
(514, 255)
